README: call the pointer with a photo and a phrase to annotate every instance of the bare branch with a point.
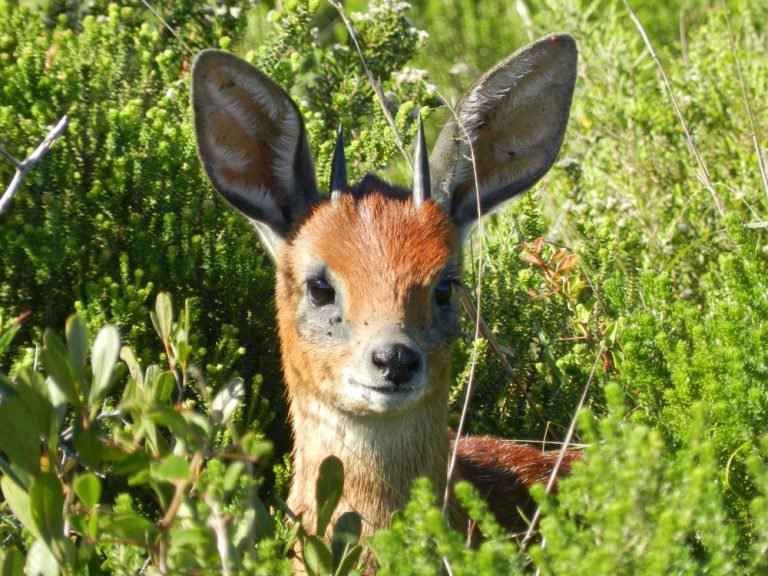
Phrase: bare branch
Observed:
(25, 166)
(561, 456)
(373, 81)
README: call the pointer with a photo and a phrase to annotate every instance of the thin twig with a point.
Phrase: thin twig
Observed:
(167, 26)
(10, 158)
(747, 105)
(561, 455)
(703, 175)
(478, 317)
(218, 523)
(373, 81)
(22, 168)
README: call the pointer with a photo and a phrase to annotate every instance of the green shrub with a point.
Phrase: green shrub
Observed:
(641, 289)
(148, 474)
(121, 208)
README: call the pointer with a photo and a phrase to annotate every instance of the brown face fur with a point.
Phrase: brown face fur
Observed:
(383, 257)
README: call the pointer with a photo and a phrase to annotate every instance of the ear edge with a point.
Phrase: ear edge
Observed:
(274, 201)
(449, 169)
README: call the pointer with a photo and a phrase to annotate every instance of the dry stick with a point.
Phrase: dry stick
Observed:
(374, 82)
(704, 173)
(218, 523)
(747, 105)
(568, 437)
(167, 26)
(478, 317)
(26, 165)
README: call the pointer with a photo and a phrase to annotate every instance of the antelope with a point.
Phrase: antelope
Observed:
(366, 298)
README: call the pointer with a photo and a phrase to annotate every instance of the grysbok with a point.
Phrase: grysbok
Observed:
(366, 302)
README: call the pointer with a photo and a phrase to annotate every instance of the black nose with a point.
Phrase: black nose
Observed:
(397, 362)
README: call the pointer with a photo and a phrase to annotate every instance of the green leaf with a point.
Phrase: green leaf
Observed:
(129, 527)
(89, 446)
(162, 318)
(330, 485)
(181, 347)
(46, 499)
(106, 348)
(6, 335)
(24, 418)
(164, 386)
(11, 562)
(349, 561)
(194, 535)
(53, 390)
(227, 400)
(41, 561)
(159, 384)
(317, 557)
(134, 368)
(346, 535)
(77, 346)
(18, 499)
(55, 359)
(132, 463)
(256, 447)
(170, 469)
(170, 418)
(88, 488)
(232, 476)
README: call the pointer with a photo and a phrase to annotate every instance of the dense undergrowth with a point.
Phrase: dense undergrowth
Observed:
(649, 288)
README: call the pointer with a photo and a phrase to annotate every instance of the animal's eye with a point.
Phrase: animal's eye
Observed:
(443, 292)
(320, 292)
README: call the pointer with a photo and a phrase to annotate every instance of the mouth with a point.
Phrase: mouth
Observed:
(382, 398)
(387, 388)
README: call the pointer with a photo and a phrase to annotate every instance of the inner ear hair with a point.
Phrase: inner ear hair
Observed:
(507, 130)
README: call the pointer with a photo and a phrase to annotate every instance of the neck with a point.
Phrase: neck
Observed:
(382, 455)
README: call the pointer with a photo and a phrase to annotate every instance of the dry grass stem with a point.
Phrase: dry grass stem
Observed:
(703, 174)
(373, 81)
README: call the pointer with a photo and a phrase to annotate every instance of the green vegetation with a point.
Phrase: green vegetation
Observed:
(649, 287)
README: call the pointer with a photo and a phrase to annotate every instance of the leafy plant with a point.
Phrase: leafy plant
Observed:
(181, 491)
(620, 261)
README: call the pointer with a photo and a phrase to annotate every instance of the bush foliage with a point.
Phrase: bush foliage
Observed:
(631, 270)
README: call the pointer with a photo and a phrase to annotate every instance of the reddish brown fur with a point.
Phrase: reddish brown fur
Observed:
(385, 255)
(502, 471)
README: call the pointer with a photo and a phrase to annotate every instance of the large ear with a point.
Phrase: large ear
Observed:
(514, 118)
(252, 143)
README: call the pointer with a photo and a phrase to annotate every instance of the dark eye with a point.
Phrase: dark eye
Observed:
(320, 292)
(443, 292)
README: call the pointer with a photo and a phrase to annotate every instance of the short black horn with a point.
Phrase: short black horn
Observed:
(338, 168)
(421, 183)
